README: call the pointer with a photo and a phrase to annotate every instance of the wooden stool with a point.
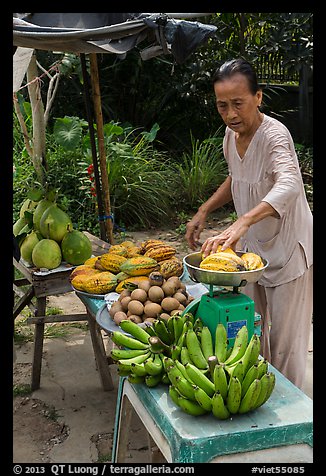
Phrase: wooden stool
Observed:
(54, 282)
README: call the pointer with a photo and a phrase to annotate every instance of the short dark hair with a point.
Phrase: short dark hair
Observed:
(237, 66)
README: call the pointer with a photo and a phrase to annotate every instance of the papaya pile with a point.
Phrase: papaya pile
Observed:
(46, 236)
(125, 265)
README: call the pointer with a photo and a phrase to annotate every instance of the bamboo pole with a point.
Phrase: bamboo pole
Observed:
(90, 120)
(107, 218)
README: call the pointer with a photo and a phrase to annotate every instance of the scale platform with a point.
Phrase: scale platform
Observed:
(221, 304)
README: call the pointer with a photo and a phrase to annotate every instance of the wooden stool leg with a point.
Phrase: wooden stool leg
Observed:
(100, 354)
(38, 345)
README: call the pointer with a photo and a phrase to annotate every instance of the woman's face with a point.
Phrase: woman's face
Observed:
(237, 105)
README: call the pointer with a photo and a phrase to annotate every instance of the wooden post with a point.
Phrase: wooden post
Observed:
(101, 146)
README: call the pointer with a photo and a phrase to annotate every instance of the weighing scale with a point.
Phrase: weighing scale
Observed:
(222, 304)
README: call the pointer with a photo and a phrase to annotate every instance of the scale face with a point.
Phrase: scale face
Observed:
(232, 309)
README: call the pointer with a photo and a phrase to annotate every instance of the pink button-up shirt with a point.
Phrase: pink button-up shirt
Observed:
(269, 171)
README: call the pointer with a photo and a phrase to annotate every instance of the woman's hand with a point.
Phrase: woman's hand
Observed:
(227, 238)
(194, 228)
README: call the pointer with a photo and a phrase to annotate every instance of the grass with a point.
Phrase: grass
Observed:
(22, 390)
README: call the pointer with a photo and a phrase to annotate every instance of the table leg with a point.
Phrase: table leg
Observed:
(100, 354)
(38, 344)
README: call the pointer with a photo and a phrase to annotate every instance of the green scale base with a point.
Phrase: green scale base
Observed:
(231, 308)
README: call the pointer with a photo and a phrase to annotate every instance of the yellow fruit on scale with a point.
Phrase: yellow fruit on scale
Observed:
(228, 261)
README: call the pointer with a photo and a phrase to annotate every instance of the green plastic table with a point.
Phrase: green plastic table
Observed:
(285, 422)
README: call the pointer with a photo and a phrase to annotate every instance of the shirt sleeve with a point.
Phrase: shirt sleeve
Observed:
(285, 172)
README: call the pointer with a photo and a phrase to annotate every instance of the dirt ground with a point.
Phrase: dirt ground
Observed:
(38, 427)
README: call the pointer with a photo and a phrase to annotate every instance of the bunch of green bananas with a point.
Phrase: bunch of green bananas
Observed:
(202, 373)
(141, 357)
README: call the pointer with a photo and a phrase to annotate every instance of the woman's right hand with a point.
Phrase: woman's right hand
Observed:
(194, 228)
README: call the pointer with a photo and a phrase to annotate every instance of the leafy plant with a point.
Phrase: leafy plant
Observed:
(200, 171)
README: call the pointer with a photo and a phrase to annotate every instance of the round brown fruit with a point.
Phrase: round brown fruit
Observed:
(145, 285)
(124, 302)
(156, 278)
(169, 288)
(175, 280)
(136, 307)
(124, 293)
(156, 294)
(139, 295)
(115, 307)
(169, 304)
(135, 318)
(152, 310)
(180, 297)
(119, 316)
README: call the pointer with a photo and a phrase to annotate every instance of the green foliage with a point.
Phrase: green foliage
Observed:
(200, 172)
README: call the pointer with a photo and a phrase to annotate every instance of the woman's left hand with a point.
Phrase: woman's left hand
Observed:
(227, 238)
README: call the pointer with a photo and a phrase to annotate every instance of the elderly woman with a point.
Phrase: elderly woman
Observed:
(274, 218)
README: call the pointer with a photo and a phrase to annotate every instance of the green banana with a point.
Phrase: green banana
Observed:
(182, 339)
(212, 362)
(250, 376)
(219, 409)
(170, 328)
(132, 378)
(182, 370)
(265, 384)
(119, 354)
(185, 388)
(126, 341)
(184, 355)
(198, 324)
(262, 368)
(138, 369)
(191, 407)
(272, 381)
(175, 351)
(149, 328)
(153, 380)
(165, 378)
(233, 398)
(178, 322)
(167, 362)
(157, 346)
(252, 352)
(199, 379)
(221, 342)
(153, 365)
(174, 394)
(249, 400)
(162, 331)
(202, 398)
(125, 364)
(236, 370)
(194, 349)
(206, 342)
(239, 346)
(173, 372)
(188, 316)
(123, 372)
(220, 380)
(135, 330)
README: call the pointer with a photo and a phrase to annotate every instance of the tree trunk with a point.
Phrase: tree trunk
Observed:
(34, 91)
